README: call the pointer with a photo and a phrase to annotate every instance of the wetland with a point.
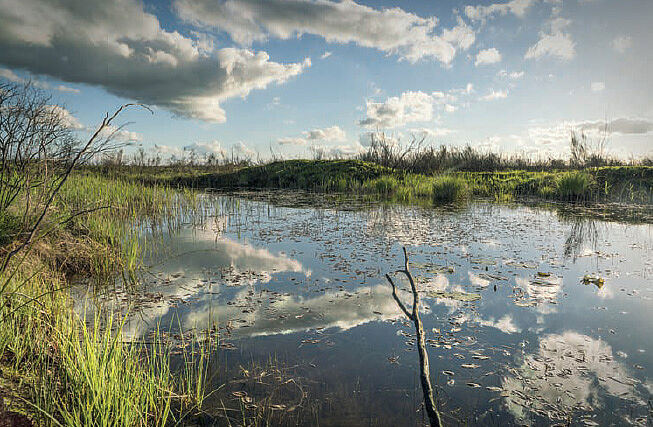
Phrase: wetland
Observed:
(290, 289)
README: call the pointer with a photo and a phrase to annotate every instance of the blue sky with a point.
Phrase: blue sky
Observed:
(291, 76)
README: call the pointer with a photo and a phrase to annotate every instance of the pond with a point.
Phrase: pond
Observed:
(520, 330)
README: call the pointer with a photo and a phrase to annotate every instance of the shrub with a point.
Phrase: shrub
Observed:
(449, 189)
(574, 185)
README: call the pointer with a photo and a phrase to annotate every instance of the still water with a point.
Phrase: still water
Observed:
(309, 334)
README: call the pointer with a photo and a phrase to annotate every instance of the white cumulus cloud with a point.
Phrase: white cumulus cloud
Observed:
(124, 49)
(487, 56)
(391, 30)
(399, 110)
(328, 134)
(481, 13)
(555, 43)
(494, 94)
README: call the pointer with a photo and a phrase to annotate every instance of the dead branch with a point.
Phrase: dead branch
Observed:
(425, 378)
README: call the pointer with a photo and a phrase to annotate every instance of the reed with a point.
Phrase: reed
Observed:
(64, 370)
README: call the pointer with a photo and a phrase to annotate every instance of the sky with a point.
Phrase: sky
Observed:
(295, 77)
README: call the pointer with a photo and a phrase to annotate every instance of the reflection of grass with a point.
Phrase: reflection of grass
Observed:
(632, 184)
(65, 372)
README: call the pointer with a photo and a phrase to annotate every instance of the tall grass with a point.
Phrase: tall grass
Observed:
(574, 185)
(450, 189)
(101, 380)
(70, 373)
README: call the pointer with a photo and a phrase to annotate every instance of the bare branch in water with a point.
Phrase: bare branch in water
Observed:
(425, 378)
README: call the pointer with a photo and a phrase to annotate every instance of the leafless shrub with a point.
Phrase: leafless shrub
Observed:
(390, 152)
(38, 151)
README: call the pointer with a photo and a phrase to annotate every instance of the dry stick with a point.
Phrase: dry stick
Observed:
(427, 389)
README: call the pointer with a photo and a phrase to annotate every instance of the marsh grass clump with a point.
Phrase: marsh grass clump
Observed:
(386, 185)
(102, 380)
(450, 189)
(576, 185)
(71, 374)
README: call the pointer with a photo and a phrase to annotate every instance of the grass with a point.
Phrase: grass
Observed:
(576, 185)
(61, 369)
(631, 184)
(450, 189)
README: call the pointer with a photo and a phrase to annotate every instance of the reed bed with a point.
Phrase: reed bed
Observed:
(63, 369)
(631, 184)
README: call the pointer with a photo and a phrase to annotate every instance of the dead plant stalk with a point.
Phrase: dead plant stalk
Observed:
(427, 388)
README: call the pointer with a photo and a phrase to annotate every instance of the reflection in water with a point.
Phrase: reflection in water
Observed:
(182, 276)
(272, 280)
(583, 233)
(286, 314)
(569, 372)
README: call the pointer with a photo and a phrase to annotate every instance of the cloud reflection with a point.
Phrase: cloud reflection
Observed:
(569, 372)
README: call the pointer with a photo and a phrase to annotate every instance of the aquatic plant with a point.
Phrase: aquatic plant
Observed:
(449, 189)
(574, 185)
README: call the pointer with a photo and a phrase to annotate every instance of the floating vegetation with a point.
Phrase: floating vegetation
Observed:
(593, 280)
(434, 268)
(456, 296)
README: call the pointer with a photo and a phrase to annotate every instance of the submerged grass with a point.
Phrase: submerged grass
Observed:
(65, 371)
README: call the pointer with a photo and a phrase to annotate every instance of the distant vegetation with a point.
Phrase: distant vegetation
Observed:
(415, 172)
(449, 189)
(628, 184)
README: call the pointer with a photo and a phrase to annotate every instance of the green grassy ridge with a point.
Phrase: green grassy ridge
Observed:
(325, 175)
(631, 184)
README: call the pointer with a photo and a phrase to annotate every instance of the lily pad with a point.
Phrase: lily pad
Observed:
(458, 296)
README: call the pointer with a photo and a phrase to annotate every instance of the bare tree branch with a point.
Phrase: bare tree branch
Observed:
(425, 378)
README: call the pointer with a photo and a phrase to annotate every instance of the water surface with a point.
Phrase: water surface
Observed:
(294, 286)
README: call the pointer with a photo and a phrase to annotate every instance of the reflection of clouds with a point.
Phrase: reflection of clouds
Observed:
(199, 250)
(605, 292)
(504, 324)
(292, 313)
(541, 291)
(562, 376)
(246, 257)
(477, 280)
(440, 283)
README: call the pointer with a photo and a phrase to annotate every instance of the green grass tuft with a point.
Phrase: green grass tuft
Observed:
(575, 185)
(450, 189)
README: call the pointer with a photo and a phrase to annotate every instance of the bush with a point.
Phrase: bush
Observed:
(574, 186)
(449, 189)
